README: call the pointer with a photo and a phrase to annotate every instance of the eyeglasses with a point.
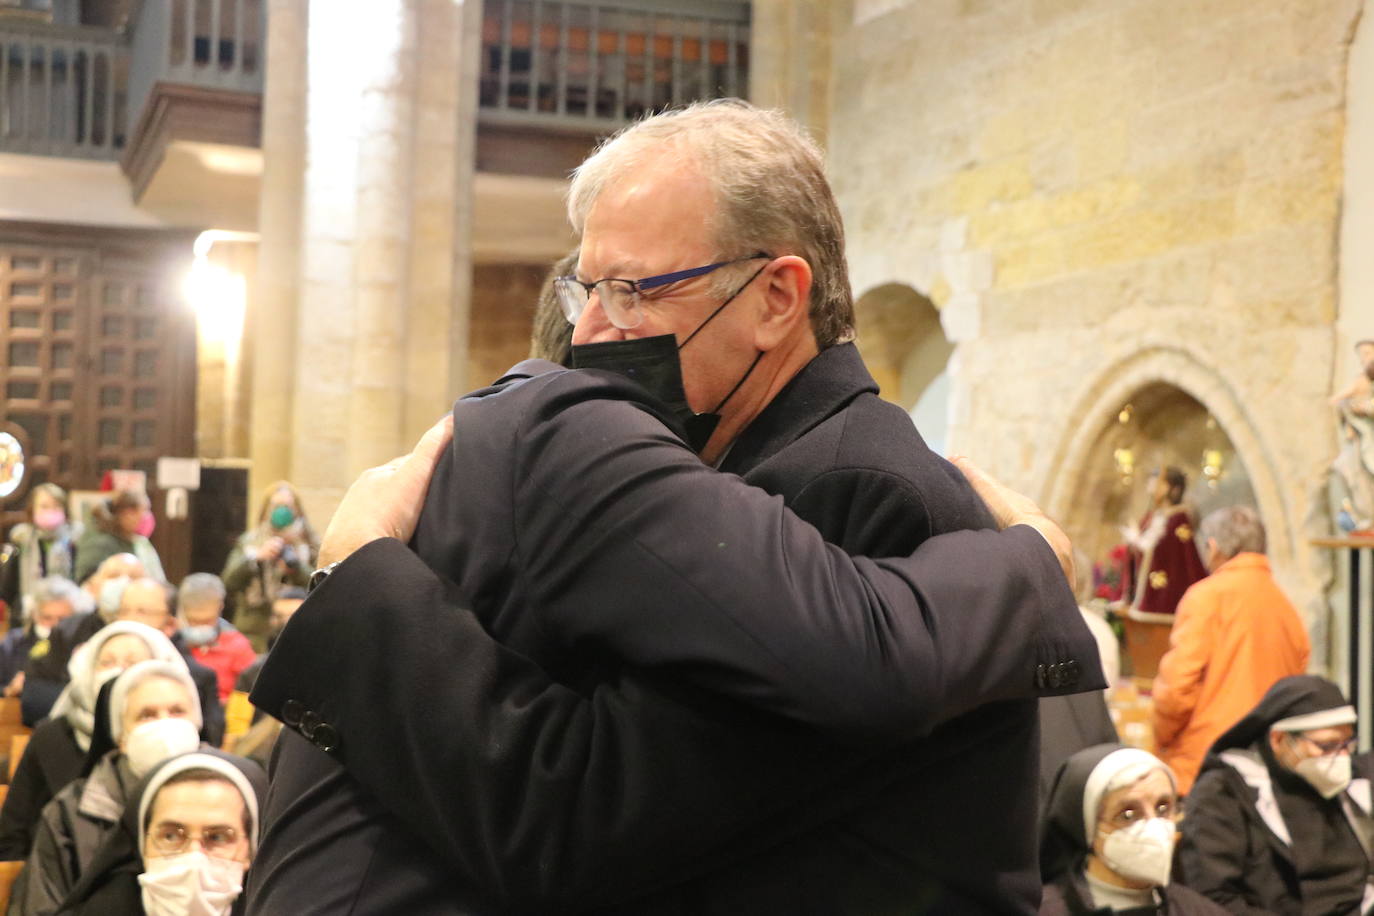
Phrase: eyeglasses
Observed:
(174, 839)
(620, 297)
(1328, 748)
(1167, 809)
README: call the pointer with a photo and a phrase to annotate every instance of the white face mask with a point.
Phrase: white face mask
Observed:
(42, 631)
(1142, 852)
(1329, 775)
(190, 884)
(150, 743)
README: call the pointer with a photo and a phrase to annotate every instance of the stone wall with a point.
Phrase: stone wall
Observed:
(1100, 195)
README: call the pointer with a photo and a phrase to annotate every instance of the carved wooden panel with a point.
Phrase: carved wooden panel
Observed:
(97, 366)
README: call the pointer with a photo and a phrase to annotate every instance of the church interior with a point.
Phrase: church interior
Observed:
(1088, 240)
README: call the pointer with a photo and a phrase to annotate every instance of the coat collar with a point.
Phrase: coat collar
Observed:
(834, 378)
(1242, 561)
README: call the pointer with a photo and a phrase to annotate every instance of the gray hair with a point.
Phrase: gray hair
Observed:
(771, 194)
(57, 588)
(1236, 530)
(200, 588)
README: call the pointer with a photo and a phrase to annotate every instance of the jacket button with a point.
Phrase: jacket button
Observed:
(1072, 673)
(309, 723)
(291, 712)
(325, 737)
(1040, 678)
(1055, 677)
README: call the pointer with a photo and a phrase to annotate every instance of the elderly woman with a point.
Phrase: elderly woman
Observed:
(1108, 840)
(58, 746)
(276, 553)
(154, 713)
(183, 845)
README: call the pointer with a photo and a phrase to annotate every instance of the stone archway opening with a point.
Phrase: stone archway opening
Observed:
(905, 347)
(1158, 424)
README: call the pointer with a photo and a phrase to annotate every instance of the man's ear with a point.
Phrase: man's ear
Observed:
(786, 301)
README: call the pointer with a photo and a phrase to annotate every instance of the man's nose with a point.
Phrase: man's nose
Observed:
(594, 325)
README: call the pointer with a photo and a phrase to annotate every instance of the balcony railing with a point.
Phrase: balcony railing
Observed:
(77, 91)
(214, 44)
(594, 64)
(62, 90)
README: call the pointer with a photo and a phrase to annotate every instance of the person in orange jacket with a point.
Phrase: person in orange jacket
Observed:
(1234, 636)
(213, 641)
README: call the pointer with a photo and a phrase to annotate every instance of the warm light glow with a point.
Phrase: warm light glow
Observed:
(218, 295)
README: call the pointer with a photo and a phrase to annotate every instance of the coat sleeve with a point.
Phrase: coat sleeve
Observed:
(1212, 846)
(511, 777)
(761, 608)
(1182, 667)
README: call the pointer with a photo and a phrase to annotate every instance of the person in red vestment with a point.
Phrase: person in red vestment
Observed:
(1163, 558)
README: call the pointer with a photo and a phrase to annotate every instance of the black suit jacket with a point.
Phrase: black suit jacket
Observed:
(767, 670)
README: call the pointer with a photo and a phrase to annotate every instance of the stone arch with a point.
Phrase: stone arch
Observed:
(905, 347)
(1064, 470)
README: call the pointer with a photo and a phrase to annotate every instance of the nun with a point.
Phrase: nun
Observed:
(153, 713)
(1279, 820)
(1107, 845)
(184, 844)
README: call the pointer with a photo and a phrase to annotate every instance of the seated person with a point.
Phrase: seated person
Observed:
(58, 745)
(1108, 838)
(211, 639)
(46, 676)
(154, 714)
(189, 832)
(240, 715)
(54, 599)
(150, 601)
(1279, 819)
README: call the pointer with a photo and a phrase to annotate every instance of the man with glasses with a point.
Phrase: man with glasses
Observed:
(1280, 818)
(744, 719)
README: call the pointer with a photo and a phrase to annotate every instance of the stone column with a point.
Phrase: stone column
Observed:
(790, 59)
(386, 141)
(384, 242)
(271, 320)
(441, 210)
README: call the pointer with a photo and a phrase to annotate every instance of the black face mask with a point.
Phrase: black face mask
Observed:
(654, 363)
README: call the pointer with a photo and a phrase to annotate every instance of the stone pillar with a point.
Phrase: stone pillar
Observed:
(386, 133)
(790, 59)
(271, 320)
(441, 210)
(382, 245)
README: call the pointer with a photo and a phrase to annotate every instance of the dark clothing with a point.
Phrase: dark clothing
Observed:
(74, 825)
(51, 760)
(1257, 844)
(1258, 839)
(248, 677)
(1068, 725)
(1069, 896)
(45, 677)
(14, 653)
(742, 747)
(207, 688)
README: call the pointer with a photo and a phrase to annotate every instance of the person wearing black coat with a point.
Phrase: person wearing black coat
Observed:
(1099, 792)
(538, 799)
(110, 885)
(1279, 821)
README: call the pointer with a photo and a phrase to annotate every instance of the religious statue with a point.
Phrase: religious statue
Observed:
(1163, 558)
(1351, 481)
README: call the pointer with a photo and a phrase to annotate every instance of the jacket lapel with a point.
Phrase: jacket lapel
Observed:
(821, 389)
